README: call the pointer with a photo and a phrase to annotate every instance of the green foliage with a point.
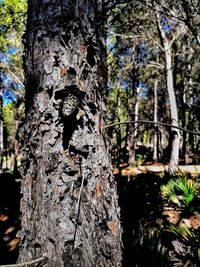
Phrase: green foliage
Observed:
(9, 121)
(181, 191)
(141, 157)
(12, 18)
(182, 232)
(12, 26)
(143, 154)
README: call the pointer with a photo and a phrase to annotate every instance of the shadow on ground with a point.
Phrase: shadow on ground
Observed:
(141, 209)
(9, 217)
(150, 239)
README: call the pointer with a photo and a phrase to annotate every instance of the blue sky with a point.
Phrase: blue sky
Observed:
(7, 83)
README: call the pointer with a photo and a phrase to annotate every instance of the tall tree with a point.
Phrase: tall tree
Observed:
(155, 118)
(134, 110)
(1, 127)
(69, 205)
(163, 29)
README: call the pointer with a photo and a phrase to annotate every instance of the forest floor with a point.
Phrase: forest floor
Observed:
(9, 217)
(160, 215)
(166, 232)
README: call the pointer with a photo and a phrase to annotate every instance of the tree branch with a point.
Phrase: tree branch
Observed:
(151, 122)
(27, 263)
(122, 35)
(155, 64)
(6, 66)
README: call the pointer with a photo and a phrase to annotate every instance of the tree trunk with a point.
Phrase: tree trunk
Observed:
(134, 115)
(119, 137)
(187, 112)
(175, 135)
(16, 142)
(1, 128)
(190, 103)
(156, 137)
(69, 207)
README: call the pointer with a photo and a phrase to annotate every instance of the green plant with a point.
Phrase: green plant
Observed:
(141, 158)
(151, 245)
(188, 189)
(180, 191)
(181, 231)
(186, 244)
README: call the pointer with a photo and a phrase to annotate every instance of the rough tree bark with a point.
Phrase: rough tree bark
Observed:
(69, 207)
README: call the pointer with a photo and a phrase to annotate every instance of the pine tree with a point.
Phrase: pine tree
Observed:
(69, 207)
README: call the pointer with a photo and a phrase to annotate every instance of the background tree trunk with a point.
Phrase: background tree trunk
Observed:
(69, 206)
(156, 137)
(132, 137)
(187, 111)
(175, 135)
(1, 127)
(119, 137)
